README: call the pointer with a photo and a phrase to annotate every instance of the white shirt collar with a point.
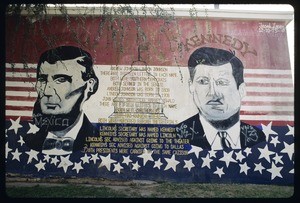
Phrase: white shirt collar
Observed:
(213, 138)
(72, 133)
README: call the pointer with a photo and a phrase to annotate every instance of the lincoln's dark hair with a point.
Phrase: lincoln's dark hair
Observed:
(216, 57)
(70, 52)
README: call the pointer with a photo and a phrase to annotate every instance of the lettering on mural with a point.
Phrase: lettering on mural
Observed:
(271, 28)
(241, 46)
(133, 139)
(136, 86)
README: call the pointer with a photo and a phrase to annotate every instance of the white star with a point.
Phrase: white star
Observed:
(277, 159)
(292, 171)
(16, 155)
(157, 164)
(85, 159)
(117, 167)
(46, 158)
(195, 150)
(188, 164)
(33, 129)
(275, 171)
(248, 151)
(239, 156)
(291, 131)
(171, 163)
(206, 161)
(219, 172)
(21, 141)
(146, 156)
(267, 130)
(15, 125)
(54, 161)
(65, 163)
(244, 168)
(289, 149)
(32, 155)
(7, 150)
(212, 153)
(94, 157)
(259, 167)
(136, 166)
(274, 141)
(265, 153)
(40, 165)
(106, 161)
(77, 167)
(126, 160)
(6, 133)
(227, 158)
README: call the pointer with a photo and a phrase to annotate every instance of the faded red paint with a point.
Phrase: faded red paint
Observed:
(166, 40)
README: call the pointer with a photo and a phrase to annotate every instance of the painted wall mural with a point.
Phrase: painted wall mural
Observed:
(182, 99)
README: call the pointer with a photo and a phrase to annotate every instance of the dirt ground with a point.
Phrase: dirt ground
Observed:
(144, 188)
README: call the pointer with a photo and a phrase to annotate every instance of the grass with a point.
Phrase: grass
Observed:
(163, 190)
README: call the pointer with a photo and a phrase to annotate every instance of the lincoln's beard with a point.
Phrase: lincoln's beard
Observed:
(58, 122)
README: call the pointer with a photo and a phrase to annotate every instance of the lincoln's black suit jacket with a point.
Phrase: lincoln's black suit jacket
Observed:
(35, 141)
(193, 130)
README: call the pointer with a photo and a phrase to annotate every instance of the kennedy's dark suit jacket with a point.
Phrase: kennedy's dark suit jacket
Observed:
(192, 128)
(35, 141)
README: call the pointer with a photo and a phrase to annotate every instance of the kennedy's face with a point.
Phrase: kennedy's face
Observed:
(215, 91)
(59, 86)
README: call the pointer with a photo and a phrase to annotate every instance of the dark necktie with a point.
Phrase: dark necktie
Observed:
(65, 144)
(224, 141)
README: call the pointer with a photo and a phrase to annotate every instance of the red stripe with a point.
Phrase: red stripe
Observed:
(257, 84)
(20, 70)
(269, 113)
(269, 103)
(257, 75)
(21, 79)
(276, 94)
(23, 118)
(19, 108)
(26, 89)
(20, 98)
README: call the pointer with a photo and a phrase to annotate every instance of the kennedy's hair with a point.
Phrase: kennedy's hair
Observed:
(216, 57)
(63, 53)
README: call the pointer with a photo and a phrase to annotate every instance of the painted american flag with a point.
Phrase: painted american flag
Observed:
(269, 105)
(270, 94)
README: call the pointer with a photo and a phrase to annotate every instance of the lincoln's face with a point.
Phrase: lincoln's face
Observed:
(215, 91)
(60, 85)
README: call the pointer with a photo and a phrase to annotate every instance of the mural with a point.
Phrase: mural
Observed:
(175, 98)
(65, 80)
(217, 85)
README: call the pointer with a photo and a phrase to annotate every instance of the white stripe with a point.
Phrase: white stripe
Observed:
(268, 80)
(269, 99)
(270, 89)
(18, 113)
(19, 84)
(19, 103)
(20, 75)
(21, 93)
(266, 117)
(268, 71)
(274, 89)
(21, 65)
(267, 108)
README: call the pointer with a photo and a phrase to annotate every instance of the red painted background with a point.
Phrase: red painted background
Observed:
(114, 41)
